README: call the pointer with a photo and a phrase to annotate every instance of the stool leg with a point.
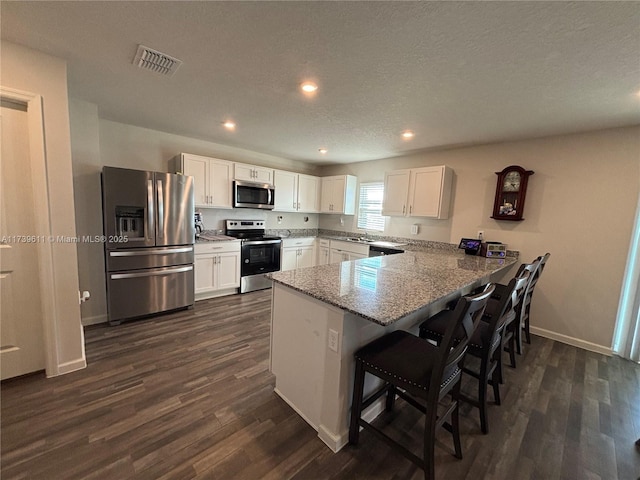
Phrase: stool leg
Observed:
(482, 397)
(391, 398)
(455, 422)
(356, 404)
(495, 382)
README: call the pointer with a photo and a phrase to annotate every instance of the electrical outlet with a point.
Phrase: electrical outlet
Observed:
(333, 340)
(481, 234)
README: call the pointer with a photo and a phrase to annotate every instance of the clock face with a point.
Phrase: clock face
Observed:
(511, 182)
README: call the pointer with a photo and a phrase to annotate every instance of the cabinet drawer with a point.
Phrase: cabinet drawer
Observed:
(298, 242)
(350, 247)
(217, 247)
(323, 242)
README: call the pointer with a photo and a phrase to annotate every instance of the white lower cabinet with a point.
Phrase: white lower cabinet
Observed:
(323, 251)
(217, 269)
(340, 251)
(298, 253)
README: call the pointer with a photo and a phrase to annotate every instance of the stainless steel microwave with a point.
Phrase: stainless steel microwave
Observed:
(253, 195)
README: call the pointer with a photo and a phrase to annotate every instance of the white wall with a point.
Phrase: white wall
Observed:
(580, 206)
(97, 142)
(34, 72)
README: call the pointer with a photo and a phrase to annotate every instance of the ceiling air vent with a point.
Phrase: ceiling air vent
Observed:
(155, 61)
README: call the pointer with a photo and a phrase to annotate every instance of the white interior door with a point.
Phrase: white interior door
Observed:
(21, 328)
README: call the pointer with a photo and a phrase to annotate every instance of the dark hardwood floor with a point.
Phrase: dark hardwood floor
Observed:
(189, 395)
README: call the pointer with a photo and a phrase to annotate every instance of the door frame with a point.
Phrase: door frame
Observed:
(38, 164)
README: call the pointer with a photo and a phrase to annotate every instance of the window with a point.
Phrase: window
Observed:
(370, 206)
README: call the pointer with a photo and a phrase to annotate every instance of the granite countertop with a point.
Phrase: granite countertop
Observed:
(213, 236)
(387, 288)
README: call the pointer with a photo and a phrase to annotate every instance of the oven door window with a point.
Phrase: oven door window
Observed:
(260, 259)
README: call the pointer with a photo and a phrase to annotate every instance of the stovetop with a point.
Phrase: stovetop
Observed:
(248, 230)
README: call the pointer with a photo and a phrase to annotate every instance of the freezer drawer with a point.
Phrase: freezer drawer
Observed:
(142, 292)
(153, 257)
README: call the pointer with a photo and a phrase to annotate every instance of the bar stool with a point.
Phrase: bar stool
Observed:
(525, 320)
(486, 342)
(420, 373)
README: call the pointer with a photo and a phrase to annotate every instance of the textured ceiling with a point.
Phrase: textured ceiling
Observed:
(457, 73)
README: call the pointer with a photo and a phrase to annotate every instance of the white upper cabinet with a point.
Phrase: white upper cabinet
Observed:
(296, 192)
(286, 186)
(419, 192)
(253, 173)
(212, 179)
(338, 194)
(396, 191)
(308, 193)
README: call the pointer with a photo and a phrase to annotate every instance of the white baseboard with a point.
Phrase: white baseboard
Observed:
(576, 342)
(94, 320)
(68, 367)
(336, 442)
(215, 294)
(304, 417)
(333, 441)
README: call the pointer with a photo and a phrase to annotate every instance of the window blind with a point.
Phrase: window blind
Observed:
(370, 206)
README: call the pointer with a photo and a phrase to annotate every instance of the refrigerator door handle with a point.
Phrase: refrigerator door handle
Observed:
(160, 195)
(150, 210)
(145, 252)
(151, 273)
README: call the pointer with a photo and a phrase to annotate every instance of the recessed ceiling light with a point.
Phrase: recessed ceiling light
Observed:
(323, 151)
(407, 134)
(309, 87)
(229, 125)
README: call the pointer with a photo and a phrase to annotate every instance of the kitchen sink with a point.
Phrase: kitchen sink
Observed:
(359, 240)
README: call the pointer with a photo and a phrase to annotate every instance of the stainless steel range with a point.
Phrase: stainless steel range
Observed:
(259, 253)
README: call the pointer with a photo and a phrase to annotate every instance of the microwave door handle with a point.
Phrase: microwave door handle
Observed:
(160, 195)
(269, 197)
(150, 210)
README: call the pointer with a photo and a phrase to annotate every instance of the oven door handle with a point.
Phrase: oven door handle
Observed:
(261, 242)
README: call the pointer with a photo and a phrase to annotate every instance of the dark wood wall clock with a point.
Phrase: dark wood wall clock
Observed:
(511, 191)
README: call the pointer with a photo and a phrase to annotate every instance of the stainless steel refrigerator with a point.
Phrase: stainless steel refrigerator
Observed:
(149, 234)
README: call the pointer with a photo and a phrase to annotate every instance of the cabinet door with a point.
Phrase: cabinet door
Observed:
(308, 194)
(396, 190)
(326, 195)
(228, 270)
(357, 256)
(286, 185)
(252, 173)
(289, 259)
(338, 192)
(242, 171)
(203, 273)
(220, 183)
(263, 175)
(425, 191)
(337, 256)
(323, 256)
(306, 257)
(198, 168)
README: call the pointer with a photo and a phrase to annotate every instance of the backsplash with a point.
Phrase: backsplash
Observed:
(408, 243)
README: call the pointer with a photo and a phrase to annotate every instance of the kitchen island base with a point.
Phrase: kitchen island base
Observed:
(316, 381)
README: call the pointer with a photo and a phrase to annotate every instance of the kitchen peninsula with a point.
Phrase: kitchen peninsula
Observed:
(321, 315)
